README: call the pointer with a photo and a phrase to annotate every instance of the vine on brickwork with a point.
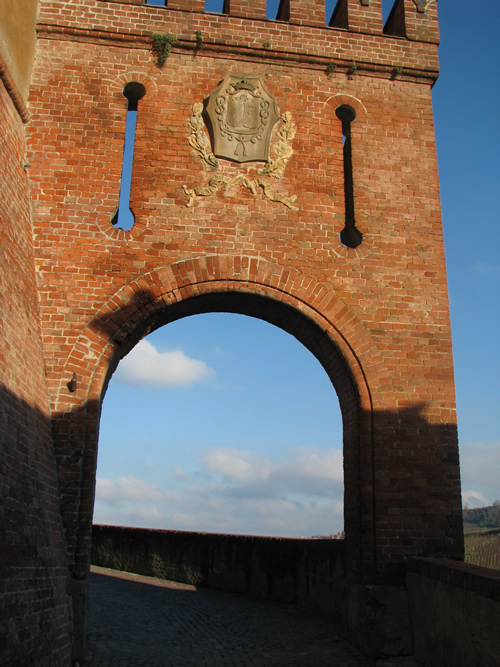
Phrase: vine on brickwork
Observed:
(199, 40)
(330, 68)
(162, 47)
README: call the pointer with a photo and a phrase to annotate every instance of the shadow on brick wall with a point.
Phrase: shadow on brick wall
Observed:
(35, 614)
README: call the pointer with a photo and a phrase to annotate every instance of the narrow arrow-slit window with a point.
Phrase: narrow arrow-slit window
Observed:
(124, 218)
(349, 236)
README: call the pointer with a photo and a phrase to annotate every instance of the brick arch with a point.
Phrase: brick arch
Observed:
(116, 85)
(282, 296)
(339, 99)
(129, 315)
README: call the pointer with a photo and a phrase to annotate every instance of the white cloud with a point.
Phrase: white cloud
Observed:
(474, 499)
(479, 468)
(146, 366)
(183, 521)
(308, 466)
(241, 466)
(129, 488)
(149, 514)
(236, 492)
(178, 473)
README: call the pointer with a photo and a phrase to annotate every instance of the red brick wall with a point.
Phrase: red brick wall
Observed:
(376, 316)
(384, 304)
(34, 612)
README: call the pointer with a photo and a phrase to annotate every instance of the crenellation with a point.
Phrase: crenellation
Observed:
(249, 9)
(187, 5)
(306, 45)
(421, 18)
(414, 20)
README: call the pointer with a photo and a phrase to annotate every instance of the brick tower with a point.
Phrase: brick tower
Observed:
(283, 169)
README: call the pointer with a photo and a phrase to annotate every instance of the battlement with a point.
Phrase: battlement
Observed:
(301, 33)
(412, 19)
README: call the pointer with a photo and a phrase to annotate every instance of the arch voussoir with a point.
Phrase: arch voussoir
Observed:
(125, 314)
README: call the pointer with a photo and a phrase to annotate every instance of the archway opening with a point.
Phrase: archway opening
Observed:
(220, 422)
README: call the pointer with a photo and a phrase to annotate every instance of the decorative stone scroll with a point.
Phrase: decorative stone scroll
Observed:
(199, 140)
(283, 149)
(242, 114)
(422, 5)
(218, 181)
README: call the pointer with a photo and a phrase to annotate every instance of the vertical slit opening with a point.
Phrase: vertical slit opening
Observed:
(218, 6)
(124, 217)
(350, 236)
(339, 17)
(283, 13)
(394, 20)
(272, 9)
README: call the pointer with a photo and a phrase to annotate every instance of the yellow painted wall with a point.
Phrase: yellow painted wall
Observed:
(18, 39)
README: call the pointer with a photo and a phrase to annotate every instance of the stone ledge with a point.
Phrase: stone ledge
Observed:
(471, 578)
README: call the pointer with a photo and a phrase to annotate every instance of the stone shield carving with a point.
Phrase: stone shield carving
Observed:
(242, 113)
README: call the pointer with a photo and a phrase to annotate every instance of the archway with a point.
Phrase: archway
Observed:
(282, 296)
(235, 428)
(313, 338)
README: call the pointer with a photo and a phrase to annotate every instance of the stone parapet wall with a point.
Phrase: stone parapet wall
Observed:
(308, 571)
(454, 613)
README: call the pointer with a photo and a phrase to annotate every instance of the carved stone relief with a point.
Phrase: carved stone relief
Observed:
(242, 114)
(199, 140)
(422, 5)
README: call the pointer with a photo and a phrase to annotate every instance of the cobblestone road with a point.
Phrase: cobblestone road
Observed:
(139, 621)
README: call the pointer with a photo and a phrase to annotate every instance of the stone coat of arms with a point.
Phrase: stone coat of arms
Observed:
(242, 113)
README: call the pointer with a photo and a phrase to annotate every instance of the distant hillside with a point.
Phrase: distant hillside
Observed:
(482, 547)
(482, 517)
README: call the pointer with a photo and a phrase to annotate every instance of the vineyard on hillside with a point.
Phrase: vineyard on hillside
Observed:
(483, 548)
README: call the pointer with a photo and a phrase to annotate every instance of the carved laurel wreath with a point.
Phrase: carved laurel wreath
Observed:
(275, 168)
(422, 5)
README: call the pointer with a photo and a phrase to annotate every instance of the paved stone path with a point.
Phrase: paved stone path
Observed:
(137, 621)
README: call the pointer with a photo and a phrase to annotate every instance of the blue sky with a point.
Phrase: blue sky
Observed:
(236, 426)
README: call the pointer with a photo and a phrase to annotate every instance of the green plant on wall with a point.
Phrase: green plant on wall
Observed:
(331, 68)
(161, 47)
(199, 38)
(396, 71)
